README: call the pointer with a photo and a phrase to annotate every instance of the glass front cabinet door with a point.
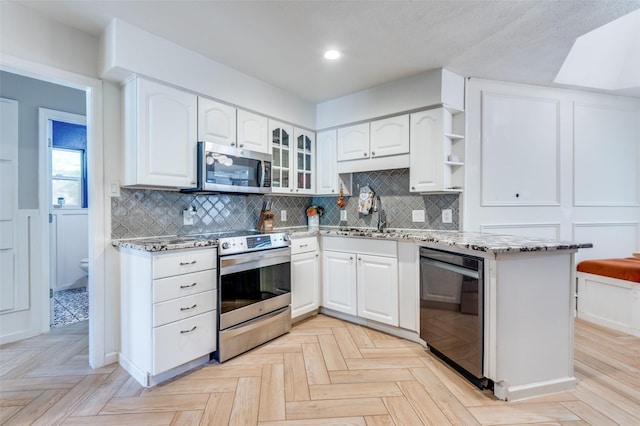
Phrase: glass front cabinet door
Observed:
(305, 161)
(282, 150)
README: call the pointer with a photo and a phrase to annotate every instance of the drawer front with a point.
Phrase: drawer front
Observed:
(183, 341)
(304, 245)
(183, 285)
(184, 307)
(183, 262)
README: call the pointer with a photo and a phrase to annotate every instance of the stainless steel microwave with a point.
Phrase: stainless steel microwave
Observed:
(224, 168)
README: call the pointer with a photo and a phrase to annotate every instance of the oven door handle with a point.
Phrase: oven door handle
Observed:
(248, 261)
(453, 268)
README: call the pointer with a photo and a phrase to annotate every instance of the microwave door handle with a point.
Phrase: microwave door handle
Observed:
(261, 174)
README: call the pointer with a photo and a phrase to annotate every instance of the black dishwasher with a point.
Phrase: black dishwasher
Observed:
(452, 310)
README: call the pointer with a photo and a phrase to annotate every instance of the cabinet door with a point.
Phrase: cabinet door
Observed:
(282, 150)
(427, 158)
(167, 136)
(253, 132)
(390, 136)
(353, 142)
(216, 122)
(378, 288)
(339, 282)
(304, 161)
(326, 167)
(304, 283)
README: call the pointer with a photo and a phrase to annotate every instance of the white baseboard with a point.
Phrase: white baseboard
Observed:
(532, 390)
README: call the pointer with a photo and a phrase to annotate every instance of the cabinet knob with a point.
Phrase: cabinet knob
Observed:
(517, 195)
(364, 153)
(291, 190)
(233, 144)
(373, 153)
(413, 187)
(241, 145)
(333, 190)
(350, 257)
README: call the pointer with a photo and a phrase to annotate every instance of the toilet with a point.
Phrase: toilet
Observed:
(84, 265)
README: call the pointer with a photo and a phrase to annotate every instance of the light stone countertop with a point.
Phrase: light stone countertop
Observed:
(477, 241)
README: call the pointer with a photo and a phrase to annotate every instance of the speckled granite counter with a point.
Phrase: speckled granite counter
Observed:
(488, 243)
(164, 243)
(484, 242)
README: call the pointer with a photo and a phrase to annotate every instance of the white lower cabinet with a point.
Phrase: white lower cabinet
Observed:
(360, 277)
(378, 288)
(339, 288)
(304, 276)
(168, 311)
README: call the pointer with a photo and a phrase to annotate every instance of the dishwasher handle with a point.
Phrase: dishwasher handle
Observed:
(453, 268)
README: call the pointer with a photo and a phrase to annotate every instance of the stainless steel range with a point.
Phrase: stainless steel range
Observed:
(254, 291)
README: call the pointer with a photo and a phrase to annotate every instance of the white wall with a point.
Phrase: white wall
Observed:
(418, 91)
(31, 36)
(546, 162)
(127, 50)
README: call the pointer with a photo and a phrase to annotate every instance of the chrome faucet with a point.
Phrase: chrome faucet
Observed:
(382, 216)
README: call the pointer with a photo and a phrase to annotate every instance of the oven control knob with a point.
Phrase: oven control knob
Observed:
(226, 245)
(285, 237)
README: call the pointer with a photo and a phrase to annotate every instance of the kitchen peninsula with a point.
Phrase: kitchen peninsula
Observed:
(528, 297)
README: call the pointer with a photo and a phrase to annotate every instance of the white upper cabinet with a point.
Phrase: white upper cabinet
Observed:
(378, 145)
(160, 135)
(283, 153)
(304, 161)
(253, 132)
(437, 151)
(353, 142)
(390, 136)
(328, 181)
(216, 122)
(327, 175)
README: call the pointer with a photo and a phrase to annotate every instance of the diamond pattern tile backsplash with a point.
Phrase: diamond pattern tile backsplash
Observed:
(393, 188)
(141, 213)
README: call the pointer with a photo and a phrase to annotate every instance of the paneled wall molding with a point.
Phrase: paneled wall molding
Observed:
(541, 230)
(520, 140)
(580, 156)
(606, 155)
(610, 239)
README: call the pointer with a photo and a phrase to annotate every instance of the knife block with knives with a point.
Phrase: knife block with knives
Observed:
(265, 221)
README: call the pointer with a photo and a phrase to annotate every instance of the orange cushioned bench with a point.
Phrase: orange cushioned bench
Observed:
(627, 269)
(608, 293)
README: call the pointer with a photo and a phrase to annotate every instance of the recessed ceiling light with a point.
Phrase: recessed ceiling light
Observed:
(332, 55)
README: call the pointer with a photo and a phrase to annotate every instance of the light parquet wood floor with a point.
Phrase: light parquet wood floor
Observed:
(325, 372)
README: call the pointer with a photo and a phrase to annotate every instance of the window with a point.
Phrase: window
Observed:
(68, 164)
(67, 180)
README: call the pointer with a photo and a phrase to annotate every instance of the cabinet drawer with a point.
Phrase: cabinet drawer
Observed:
(183, 285)
(183, 341)
(304, 245)
(183, 262)
(183, 307)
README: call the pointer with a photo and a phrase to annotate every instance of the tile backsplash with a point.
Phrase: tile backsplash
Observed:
(141, 213)
(392, 186)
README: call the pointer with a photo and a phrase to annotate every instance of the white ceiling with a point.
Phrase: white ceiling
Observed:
(281, 42)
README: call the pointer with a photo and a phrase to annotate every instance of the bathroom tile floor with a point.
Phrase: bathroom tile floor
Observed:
(70, 306)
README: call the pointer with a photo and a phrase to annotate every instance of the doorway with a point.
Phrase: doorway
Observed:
(32, 321)
(66, 146)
